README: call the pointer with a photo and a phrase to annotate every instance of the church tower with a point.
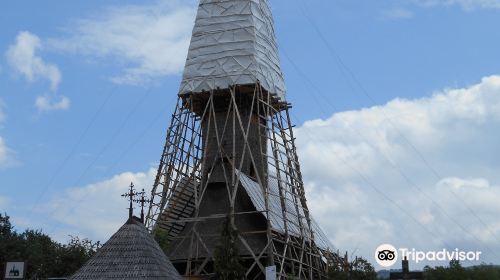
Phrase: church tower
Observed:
(230, 154)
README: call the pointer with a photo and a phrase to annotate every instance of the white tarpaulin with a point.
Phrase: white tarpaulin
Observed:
(233, 43)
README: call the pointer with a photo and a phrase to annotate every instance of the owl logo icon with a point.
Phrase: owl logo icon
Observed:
(386, 255)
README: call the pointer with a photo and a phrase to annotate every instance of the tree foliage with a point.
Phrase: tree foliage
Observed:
(161, 237)
(455, 271)
(44, 256)
(226, 256)
(358, 269)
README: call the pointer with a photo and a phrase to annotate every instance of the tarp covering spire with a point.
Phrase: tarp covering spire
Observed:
(233, 43)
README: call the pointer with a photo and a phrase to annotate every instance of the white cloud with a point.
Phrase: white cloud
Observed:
(455, 130)
(96, 210)
(2, 114)
(397, 13)
(465, 4)
(149, 41)
(4, 201)
(23, 58)
(6, 154)
(459, 183)
(47, 103)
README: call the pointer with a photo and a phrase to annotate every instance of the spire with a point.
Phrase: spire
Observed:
(142, 201)
(130, 196)
(233, 43)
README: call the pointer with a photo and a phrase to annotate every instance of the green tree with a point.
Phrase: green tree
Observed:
(437, 273)
(39, 251)
(455, 271)
(5, 225)
(161, 237)
(227, 261)
(361, 269)
(358, 269)
(74, 255)
(8, 240)
(485, 272)
(45, 257)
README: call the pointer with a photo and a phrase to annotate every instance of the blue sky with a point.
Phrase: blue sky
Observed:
(385, 93)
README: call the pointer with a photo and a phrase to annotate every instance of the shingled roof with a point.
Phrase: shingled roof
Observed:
(131, 253)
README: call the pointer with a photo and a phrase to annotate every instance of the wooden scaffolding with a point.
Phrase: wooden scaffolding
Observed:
(231, 154)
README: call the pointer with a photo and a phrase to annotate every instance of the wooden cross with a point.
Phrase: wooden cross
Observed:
(130, 196)
(142, 201)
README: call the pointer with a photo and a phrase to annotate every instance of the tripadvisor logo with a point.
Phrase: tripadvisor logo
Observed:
(386, 255)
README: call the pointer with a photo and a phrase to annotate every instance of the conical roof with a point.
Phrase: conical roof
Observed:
(233, 43)
(131, 253)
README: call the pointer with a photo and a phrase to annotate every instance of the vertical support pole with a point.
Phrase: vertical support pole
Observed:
(270, 249)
